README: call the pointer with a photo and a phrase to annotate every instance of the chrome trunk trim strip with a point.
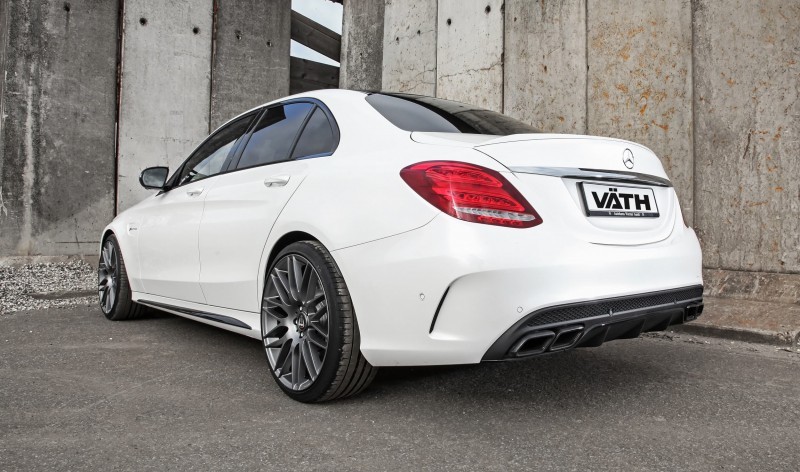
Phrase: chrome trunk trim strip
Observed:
(595, 174)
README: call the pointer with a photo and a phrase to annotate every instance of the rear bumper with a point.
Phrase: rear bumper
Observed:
(447, 292)
(590, 324)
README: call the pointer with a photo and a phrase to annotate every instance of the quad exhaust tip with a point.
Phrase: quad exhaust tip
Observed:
(566, 338)
(539, 342)
(693, 311)
(563, 338)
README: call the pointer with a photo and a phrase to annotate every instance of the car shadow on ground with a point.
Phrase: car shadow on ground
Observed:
(578, 376)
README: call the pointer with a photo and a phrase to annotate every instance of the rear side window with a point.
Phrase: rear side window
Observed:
(317, 137)
(273, 136)
(419, 113)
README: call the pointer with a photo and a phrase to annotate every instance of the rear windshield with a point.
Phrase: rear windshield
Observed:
(420, 113)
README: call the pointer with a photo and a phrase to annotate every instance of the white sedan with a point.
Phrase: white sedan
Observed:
(351, 230)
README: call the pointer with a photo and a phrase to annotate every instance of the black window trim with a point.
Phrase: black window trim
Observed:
(232, 166)
(236, 153)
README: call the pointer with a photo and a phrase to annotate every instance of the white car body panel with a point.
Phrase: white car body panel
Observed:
(399, 254)
(167, 242)
(495, 275)
(239, 213)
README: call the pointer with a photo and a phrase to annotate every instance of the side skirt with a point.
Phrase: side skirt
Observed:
(226, 320)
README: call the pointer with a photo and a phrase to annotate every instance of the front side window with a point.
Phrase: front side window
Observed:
(419, 113)
(273, 137)
(210, 158)
(317, 137)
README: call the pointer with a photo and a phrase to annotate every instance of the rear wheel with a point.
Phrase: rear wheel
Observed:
(112, 284)
(309, 328)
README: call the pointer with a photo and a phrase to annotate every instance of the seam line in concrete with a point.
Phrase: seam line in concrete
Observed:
(118, 101)
(435, 50)
(212, 66)
(586, 62)
(692, 6)
(503, 59)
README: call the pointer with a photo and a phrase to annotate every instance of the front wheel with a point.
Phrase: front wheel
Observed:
(112, 284)
(309, 328)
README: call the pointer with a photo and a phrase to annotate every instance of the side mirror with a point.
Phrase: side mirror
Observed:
(154, 178)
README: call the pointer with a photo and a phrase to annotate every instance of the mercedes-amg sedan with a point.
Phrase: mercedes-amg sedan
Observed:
(351, 230)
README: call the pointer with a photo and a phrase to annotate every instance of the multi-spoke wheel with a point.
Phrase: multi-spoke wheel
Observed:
(112, 284)
(296, 322)
(107, 276)
(308, 326)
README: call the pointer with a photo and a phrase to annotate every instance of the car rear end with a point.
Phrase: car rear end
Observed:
(543, 243)
(635, 266)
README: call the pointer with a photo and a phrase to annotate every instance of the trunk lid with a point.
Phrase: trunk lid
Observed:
(583, 183)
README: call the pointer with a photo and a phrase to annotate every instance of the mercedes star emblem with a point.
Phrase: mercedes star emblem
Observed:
(627, 158)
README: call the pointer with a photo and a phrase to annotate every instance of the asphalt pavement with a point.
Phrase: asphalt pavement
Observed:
(78, 392)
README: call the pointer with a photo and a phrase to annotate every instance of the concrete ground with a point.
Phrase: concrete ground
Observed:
(164, 393)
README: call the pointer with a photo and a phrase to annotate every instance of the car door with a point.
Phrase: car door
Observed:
(168, 250)
(244, 205)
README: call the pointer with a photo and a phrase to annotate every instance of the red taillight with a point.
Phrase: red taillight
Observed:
(471, 193)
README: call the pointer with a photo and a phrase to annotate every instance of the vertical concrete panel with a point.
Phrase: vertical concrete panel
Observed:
(469, 63)
(747, 106)
(164, 110)
(251, 58)
(409, 47)
(640, 81)
(545, 64)
(59, 100)
(362, 45)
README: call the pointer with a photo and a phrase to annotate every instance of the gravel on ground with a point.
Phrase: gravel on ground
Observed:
(49, 284)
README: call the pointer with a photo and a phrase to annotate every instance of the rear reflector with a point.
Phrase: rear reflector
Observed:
(470, 193)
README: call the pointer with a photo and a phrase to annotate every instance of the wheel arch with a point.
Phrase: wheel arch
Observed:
(108, 232)
(286, 240)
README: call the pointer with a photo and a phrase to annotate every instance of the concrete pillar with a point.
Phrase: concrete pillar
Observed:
(409, 47)
(251, 56)
(164, 108)
(747, 112)
(362, 45)
(57, 108)
(470, 52)
(640, 81)
(545, 64)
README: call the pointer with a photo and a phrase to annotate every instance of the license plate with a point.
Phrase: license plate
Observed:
(618, 200)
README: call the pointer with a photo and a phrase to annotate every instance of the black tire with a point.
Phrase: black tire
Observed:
(344, 370)
(121, 307)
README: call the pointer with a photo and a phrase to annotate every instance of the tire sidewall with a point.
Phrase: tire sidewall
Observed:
(336, 333)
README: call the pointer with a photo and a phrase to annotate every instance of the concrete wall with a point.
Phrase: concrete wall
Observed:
(469, 61)
(409, 46)
(747, 112)
(186, 66)
(166, 80)
(545, 50)
(361, 65)
(57, 162)
(251, 56)
(713, 87)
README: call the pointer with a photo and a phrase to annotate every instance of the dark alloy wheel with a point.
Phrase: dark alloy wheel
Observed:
(112, 284)
(107, 276)
(309, 328)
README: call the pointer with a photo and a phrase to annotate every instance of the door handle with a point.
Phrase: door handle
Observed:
(277, 180)
(194, 192)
